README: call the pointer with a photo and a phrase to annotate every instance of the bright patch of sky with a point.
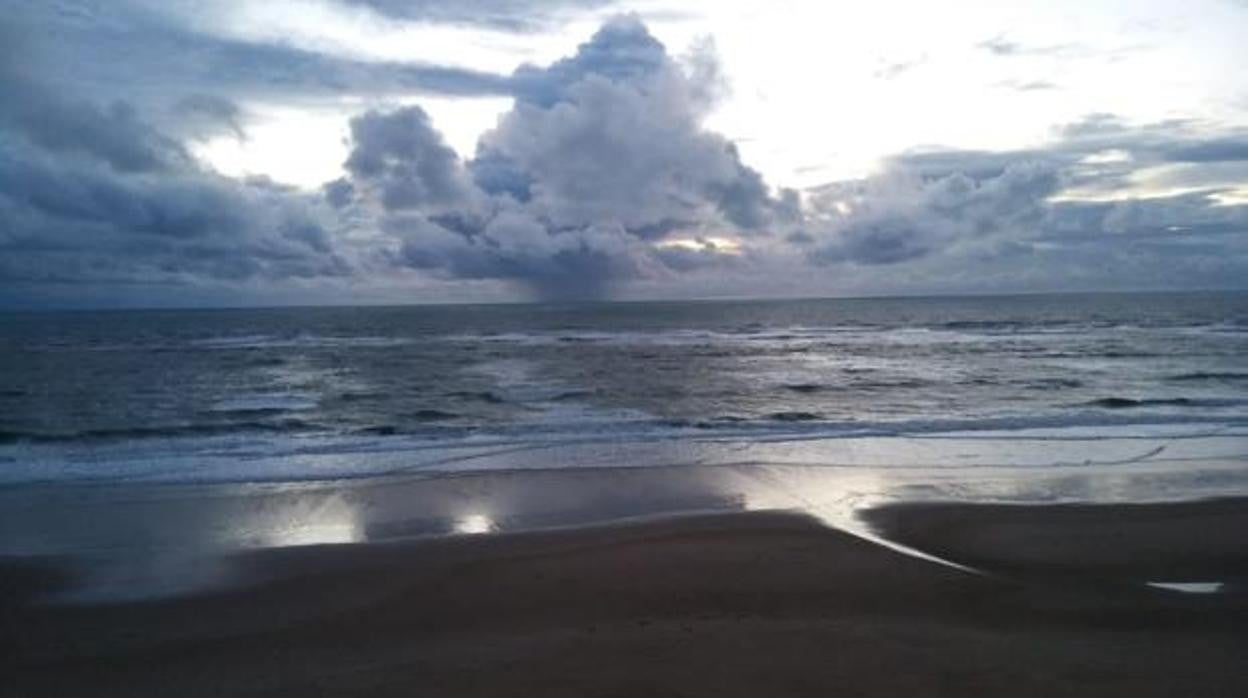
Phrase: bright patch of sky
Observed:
(817, 91)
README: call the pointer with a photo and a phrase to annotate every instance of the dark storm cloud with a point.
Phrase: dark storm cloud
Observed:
(603, 154)
(96, 196)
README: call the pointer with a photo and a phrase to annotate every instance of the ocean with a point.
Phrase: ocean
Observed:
(273, 395)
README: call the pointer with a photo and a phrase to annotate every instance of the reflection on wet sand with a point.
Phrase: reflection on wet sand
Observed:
(151, 540)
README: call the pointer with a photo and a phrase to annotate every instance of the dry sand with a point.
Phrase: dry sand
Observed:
(746, 604)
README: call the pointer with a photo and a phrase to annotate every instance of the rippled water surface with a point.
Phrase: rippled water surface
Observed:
(289, 394)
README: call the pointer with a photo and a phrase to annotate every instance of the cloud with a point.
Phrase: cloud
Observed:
(1027, 85)
(97, 197)
(1001, 46)
(602, 177)
(1015, 220)
(603, 155)
(504, 15)
(622, 100)
(405, 163)
(1233, 149)
(156, 60)
(114, 134)
(204, 115)
(899, 216)
(891, 70)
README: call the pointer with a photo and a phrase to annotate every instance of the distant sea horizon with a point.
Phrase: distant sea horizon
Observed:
(607, 300)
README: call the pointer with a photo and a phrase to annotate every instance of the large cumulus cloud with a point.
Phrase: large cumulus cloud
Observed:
(602, 158)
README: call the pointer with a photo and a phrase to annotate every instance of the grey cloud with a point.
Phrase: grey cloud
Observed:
(115, 135)
(622, 51)
(899, 216)
(129, 50)
(622, 100)
(986, 221)
(205, 115)
(602, 155)
(503, 15)
(111, 201)
(1178, 217)
(513, 246)
(1145, 145)
(405, 160)
(1212, 150)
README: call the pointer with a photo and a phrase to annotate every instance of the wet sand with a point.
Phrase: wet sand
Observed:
(738, 604)
(1119, 544)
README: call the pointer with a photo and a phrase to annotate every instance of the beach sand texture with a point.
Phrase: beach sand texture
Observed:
(739, 604)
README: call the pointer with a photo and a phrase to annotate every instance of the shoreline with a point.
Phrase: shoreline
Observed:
(131, 541)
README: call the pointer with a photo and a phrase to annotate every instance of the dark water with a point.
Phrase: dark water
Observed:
(111, 395)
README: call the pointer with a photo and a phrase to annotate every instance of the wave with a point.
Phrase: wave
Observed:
(485, 396)
(385, 449)
(158, 432)
(988, 332)
(1052, 384)
(806, 388)
(793, 416)
(433, 415)
(1208, 376)
(266, 403)
(211, 454)
(1118, 403)
(888, 384)
(266, 341)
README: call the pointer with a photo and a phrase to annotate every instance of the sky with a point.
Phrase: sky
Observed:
(181, 153)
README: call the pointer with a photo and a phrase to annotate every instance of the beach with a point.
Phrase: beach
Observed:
(727, 604)
(1023, 496)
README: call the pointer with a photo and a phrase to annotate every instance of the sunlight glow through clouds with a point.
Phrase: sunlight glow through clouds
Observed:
(306, 147)
(809, 101)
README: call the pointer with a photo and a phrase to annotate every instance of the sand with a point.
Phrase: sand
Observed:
(739, 604)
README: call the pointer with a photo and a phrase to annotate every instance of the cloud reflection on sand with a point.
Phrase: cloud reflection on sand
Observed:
(150, 540)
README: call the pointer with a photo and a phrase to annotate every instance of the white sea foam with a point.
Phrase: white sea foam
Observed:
(1189, 587)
